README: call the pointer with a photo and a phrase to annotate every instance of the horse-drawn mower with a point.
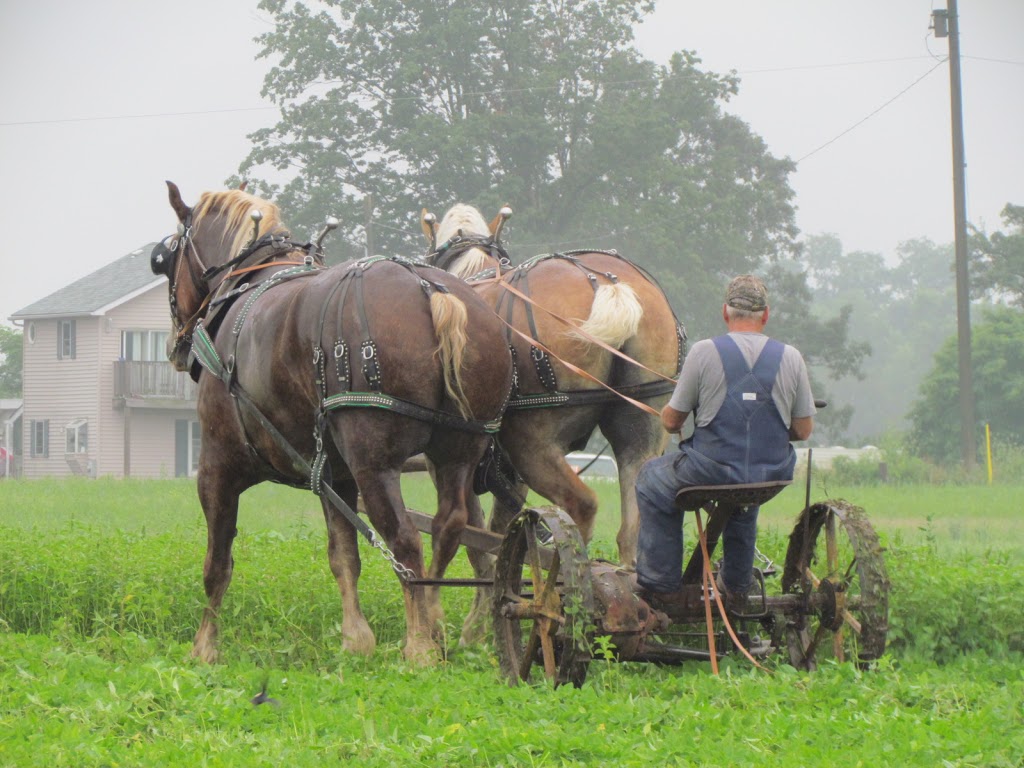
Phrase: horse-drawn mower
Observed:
(553, 606)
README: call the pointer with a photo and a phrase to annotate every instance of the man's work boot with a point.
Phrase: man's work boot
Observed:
(735, 603)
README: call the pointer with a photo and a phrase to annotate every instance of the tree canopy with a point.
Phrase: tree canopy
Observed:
(11, 352)
(998, 263)
(390, 107)
(997, 367)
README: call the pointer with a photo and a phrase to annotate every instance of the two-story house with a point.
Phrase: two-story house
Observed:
(99, 397)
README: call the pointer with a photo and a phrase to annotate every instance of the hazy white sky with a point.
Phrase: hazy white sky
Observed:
(102, 101)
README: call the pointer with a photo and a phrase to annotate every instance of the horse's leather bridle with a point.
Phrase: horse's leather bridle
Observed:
(183, 249)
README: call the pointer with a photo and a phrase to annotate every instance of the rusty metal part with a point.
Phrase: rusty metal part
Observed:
(621, 615)
(840, 580)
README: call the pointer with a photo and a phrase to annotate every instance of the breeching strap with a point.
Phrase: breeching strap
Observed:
(580, 372)
(608, 348)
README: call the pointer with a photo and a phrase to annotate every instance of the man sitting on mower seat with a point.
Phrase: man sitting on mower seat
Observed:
(750, 395)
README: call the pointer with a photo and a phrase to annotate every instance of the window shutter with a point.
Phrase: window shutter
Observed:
(46, 439)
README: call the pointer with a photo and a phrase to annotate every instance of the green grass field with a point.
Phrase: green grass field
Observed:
(100, 594)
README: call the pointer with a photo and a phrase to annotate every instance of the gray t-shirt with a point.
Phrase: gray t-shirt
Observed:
(702, 386)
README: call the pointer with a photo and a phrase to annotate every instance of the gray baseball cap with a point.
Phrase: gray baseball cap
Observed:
(748, 293)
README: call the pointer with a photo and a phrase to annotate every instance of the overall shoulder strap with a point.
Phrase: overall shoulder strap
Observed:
(766, 368)
(733, 362)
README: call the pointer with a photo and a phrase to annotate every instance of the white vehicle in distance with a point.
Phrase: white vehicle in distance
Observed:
(593, 466)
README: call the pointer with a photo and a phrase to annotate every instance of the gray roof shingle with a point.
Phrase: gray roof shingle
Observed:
(97, 290)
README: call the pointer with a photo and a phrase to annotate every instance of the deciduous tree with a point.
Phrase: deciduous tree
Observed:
(10, 362)
(997, 362)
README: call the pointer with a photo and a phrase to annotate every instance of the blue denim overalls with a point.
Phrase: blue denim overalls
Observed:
(746, 442)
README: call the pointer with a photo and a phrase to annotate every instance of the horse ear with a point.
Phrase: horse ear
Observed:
(177, 203)
(428, 222)
(243, 185)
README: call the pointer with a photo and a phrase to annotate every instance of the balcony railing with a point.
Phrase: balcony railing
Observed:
(136, 380)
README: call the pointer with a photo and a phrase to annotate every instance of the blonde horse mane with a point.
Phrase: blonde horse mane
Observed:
(450, 320)
(236, 206)
(614, 315)
(468, 220)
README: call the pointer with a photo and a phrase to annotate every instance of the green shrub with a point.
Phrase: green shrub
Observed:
(943, 608)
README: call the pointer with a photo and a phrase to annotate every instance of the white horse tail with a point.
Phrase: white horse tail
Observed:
(614, 316)
(450, 320)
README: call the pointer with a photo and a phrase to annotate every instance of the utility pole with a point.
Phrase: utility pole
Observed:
(947, 23)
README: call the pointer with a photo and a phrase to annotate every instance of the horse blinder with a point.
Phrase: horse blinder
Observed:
(162, 256)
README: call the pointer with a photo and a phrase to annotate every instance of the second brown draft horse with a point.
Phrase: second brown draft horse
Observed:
(330, 377)
(581, 323)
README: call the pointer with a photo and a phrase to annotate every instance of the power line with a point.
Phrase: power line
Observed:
(800, 67)
(997, 61)
(133, 117)
(532, 89)
(871, 114)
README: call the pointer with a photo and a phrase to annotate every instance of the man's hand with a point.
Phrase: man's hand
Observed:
(673, 420)
(799, 429)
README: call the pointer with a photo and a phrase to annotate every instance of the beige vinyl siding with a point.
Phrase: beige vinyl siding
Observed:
(151, 447)
(60, 390)
(153, 441)
(152, 429)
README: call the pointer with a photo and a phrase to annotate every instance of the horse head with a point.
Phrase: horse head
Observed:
(208, 236)
(464, 243)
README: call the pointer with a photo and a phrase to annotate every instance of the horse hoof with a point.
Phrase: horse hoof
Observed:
(422, 654)
(359, 644)
(207, 654)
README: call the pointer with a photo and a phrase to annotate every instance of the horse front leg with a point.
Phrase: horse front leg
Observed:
(220, 507)
(343, 556)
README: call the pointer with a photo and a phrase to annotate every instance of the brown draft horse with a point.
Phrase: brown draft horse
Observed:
(605, 297)
(363, 365)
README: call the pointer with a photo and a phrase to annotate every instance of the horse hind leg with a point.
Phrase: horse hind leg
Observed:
(478, 620)
(635, 438)
(343, 556)
(453, 480)
(386, 509)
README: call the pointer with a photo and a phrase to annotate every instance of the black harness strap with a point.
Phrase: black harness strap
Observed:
(443, 256)
(643, 391)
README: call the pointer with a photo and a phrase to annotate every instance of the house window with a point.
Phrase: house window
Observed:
(40, 438)
(147, 346)
(66, 340)
(76, 435)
